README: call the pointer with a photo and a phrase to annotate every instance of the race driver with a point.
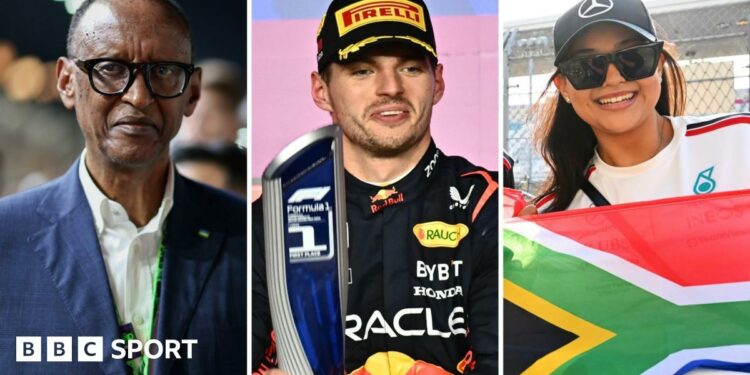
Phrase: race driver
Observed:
(423, 228)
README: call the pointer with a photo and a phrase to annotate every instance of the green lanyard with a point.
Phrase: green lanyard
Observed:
(156, 293)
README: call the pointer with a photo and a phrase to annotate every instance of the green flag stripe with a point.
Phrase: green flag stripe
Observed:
(647, 327)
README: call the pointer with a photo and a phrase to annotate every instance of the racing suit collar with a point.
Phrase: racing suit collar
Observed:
(374, 199)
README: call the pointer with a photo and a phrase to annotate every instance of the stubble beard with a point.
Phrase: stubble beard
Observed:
(128, 158)
(390, 146)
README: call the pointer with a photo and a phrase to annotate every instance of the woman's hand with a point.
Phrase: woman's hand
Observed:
(529, 210)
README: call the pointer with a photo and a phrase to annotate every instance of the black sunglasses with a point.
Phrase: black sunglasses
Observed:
(633, 63)
(164, 79)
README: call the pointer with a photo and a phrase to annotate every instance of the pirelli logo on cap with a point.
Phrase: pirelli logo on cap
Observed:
(440, 234)
(369, 11)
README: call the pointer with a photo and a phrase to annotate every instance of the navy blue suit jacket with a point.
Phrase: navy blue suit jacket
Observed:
(53, 281)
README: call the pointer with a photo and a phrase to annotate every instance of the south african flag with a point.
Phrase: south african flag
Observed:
(657, 287)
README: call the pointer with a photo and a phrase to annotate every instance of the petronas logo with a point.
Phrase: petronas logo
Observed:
(704, 184)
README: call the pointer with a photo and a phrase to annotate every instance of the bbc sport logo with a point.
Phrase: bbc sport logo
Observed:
(91, 349)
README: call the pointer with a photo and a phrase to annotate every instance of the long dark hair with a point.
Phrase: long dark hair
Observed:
(567, 143)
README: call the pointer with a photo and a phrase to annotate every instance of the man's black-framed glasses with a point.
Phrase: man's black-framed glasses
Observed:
(164, 79)
(633, 63)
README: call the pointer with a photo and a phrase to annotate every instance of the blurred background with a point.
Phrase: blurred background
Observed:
(713, 44)
(464, 123)
(39, 138)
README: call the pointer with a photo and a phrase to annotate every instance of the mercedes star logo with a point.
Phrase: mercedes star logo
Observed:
(593, 8)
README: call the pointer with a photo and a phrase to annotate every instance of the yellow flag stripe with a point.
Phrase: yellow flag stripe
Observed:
(589, 335)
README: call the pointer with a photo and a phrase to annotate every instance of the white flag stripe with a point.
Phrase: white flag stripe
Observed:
(675, 361)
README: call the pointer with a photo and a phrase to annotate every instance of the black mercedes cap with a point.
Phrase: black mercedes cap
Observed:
(349, 26)
(629, 13)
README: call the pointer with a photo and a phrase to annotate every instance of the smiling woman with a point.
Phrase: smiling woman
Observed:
(611, 127)
(612, 132)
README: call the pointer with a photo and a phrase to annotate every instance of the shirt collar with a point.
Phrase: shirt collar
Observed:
(101, 206)
(373, 198)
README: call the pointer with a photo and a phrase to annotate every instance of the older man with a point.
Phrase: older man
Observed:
(121, 246)
(423, 288)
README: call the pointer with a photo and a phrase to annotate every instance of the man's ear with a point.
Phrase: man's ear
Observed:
(193, 91)
(439, 84)
(65, 85)
(319, 92)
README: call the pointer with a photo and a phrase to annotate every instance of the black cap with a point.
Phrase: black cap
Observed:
(349, 25)
(629, 13)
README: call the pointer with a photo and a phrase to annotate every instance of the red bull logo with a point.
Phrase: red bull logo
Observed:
(369, 11)
(385, 198)
(383, 194)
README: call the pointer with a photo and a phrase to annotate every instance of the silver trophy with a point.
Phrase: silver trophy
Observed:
(304, 205)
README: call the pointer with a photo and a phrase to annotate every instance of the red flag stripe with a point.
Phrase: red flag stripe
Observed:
(700, 246)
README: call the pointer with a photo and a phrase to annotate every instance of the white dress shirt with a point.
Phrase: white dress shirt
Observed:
(130, 253)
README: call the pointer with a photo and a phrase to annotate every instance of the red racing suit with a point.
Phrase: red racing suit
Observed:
(423, 260)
